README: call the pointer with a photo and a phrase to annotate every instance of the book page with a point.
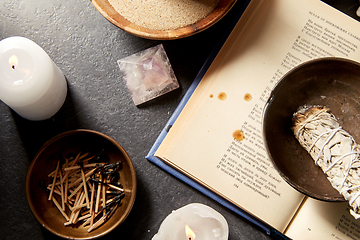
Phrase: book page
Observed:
(336, 222)
(217, 139)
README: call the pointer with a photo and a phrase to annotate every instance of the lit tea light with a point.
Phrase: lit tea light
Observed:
(189, 233)
(13, 61)
(193, 222)
(30, 82)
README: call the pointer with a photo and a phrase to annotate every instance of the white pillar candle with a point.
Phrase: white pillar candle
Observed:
(193, 222)
(30, 82)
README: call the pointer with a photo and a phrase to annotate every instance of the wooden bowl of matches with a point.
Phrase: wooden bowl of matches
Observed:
(161, 19)
(81, 185)
(311, 128)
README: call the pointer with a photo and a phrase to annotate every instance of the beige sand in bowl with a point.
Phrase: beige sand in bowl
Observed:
(164, 14)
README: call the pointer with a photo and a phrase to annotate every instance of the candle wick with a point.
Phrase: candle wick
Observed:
(13, 66)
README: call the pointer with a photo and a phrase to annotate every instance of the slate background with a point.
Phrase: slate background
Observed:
(85, 46)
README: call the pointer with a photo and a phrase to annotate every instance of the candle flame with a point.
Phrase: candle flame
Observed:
(189, 233)
(13, 61)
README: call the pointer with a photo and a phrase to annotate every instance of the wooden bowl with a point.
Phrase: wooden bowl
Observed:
(107, 10)
(331, 82)
(45, 161)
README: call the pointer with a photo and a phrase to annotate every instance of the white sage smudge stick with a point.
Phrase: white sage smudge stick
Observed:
(333, 150)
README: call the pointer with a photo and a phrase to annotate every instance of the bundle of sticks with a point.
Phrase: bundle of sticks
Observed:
(85, 190)
(333, 149)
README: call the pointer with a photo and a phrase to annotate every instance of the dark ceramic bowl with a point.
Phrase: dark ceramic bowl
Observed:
(331, 82)
(45, 161)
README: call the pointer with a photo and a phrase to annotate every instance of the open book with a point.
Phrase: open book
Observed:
(271, 37)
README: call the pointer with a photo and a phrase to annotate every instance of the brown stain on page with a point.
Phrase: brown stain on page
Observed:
(222, 96)
(247, 97)
(238, 135)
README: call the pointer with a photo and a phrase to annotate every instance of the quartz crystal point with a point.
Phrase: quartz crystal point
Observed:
(332, 149)
(148, 74)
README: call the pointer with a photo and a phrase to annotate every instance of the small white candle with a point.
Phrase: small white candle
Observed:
(193, 222)
(30, 82)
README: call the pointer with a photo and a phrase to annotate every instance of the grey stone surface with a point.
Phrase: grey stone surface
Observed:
(85, 46)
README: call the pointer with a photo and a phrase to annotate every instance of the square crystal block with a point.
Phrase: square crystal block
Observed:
(148, 74)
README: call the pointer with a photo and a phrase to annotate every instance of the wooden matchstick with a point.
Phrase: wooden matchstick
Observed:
(62, 190)
(115, 187)
(97, 224)
(66, 177)
(92, 197)
(84, 155)
(59, 208)
(85, 188)
(54, 180)
(77, 211)
(98, 197)
(84, 217)
(78, 167)
(103, 196)
(89, 173)
(76, 200)
(76, 190)
(72, 164)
